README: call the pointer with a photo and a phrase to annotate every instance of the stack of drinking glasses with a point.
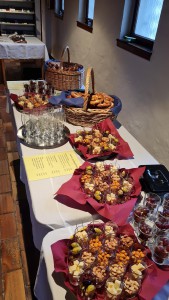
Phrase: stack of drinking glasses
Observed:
(44, 127)
(151, 223)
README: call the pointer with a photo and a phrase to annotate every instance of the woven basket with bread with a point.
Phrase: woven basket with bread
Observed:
(64, 75)
(96, 106)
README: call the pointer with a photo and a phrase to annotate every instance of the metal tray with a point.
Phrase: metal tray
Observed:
(21, 136)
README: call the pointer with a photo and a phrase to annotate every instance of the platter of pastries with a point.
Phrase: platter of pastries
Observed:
(97, 142)
(29, 101)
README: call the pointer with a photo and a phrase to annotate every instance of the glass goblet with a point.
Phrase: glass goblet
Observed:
(161, 225)
(140, 213)
(160, 249)
(152, 201)
(166, 200)
(145, 230)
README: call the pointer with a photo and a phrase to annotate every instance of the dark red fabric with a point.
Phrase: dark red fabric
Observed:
(153, 282)
(123, 150)
(117, 213)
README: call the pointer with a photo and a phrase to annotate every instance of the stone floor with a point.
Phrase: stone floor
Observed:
(18, 256)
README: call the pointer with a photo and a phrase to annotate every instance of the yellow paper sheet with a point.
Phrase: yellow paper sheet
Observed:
(51, 165)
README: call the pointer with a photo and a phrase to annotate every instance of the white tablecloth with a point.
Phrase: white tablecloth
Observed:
(50, 286)
(33, 49)
(46, 213)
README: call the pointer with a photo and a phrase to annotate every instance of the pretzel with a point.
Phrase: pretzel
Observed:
(101, 100)
(76, 94)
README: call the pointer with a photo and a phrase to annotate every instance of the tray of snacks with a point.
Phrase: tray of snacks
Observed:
(105, 261)
(150, 220)
(109, 190)
(36, 95)
(102, 141)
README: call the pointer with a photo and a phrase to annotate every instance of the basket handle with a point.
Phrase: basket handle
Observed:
(68, 54)
(89, 75)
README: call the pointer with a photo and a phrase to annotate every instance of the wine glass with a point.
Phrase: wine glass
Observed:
(166, 200)
(152, 201)
(160, 249)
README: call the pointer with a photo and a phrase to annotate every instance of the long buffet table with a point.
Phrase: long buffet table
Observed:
(46, 213)
(50, 219)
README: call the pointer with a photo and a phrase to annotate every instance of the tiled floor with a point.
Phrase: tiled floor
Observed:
(18, 256)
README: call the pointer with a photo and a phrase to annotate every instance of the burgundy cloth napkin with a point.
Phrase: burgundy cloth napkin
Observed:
(122, 151)
(153, 282)
(117, 213)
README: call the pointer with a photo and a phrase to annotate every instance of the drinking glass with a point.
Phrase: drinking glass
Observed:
(152, 201)
(113, 289)
(99, 273)
(27, 128)
(76, 269)
(160, 249)
(131, 286)
(145, 230)
(166, 200)
(87, 286)
(140, 213)
(111, 229)
(161, 225)
(116, 271)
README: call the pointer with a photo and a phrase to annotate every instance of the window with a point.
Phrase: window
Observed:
(86, 14)
(90, 12)
(146, 21)
(142, 31)
(59, 8)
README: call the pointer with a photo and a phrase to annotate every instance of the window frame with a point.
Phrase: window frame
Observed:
(59, 14)
(139, 46)
(140, 39)
(86, 23)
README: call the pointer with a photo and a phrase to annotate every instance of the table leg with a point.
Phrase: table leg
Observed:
(3, 72)
(42, 69)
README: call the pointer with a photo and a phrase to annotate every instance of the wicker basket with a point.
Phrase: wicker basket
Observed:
(84, 116)
(65, 80)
